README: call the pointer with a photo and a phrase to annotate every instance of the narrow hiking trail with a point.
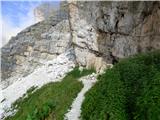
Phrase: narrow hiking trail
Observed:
(75, 111)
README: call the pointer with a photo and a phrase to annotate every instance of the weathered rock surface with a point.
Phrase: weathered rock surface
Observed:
(113, 30)
(38, 43)
(100, 32)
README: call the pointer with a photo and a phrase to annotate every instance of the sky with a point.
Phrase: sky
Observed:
(16, 16)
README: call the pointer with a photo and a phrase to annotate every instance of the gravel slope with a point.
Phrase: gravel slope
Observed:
(51, 71)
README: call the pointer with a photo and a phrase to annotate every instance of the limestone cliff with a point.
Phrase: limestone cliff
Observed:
(100, 33)
(103, 32)
(32, 46)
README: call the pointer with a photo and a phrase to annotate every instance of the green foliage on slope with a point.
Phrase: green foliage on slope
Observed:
(51, 101)
(128, 91)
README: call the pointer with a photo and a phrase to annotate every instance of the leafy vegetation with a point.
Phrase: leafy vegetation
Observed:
(128, 91)
(50, 101)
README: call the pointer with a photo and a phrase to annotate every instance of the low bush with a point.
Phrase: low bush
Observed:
(128, 91)
(42, 113)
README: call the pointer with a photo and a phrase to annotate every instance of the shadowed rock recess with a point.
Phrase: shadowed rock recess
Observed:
(99, 33)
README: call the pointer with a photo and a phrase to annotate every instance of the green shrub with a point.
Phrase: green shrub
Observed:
(76, 73)
(128, 91)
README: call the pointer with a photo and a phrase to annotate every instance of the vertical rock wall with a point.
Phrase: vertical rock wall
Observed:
(84, 38)
(105, 31)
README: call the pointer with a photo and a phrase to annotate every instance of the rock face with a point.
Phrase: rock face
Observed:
(103, 32)
(43, 11)
(34, 45)
(100, 32)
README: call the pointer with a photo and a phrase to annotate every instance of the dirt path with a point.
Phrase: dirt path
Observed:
(75, 111)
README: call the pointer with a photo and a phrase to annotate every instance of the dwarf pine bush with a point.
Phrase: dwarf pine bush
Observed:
(128, 91)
